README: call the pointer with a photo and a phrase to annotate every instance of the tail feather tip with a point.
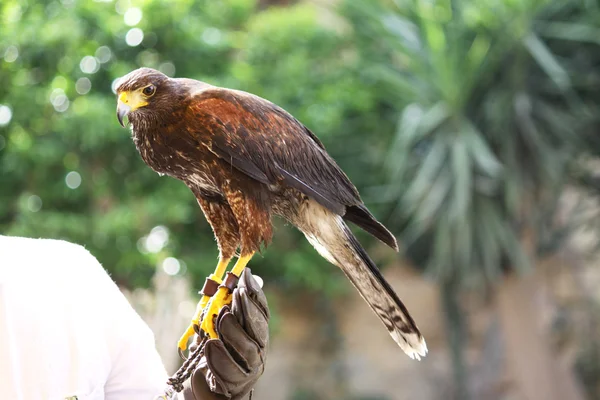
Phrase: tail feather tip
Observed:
(412, 344)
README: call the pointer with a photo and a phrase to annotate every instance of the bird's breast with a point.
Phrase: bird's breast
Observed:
(171, 154)
(177, 155)
(155, 154)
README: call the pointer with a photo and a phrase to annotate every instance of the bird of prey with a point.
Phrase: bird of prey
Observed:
(245, 159)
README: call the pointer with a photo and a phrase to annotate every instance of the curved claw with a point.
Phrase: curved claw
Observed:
(193, 327)
(183, 340)
(180, 352)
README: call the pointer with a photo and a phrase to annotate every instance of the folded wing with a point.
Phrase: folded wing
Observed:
(269, 145)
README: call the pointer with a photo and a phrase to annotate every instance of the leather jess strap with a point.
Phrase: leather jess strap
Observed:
(210, 287)
(230, 281)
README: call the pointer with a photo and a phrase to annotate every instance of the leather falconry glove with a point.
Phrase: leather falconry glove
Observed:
(232, 364)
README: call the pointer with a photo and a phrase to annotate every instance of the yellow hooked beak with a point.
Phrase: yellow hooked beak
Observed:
(129, 101)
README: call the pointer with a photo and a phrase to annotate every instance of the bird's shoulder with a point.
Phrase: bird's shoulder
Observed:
(269, 144)
(192, 86)
(223, 99)
(249, 111)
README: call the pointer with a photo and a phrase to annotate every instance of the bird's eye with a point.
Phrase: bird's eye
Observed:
(149, 90)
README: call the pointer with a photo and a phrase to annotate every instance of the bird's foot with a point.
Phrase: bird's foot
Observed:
(210, 287)
(216, 303)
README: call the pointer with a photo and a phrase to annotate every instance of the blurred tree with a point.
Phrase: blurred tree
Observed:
(67, 170)
(496, 107)
(495, 99)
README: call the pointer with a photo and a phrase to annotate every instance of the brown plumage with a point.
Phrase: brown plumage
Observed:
(246, 159)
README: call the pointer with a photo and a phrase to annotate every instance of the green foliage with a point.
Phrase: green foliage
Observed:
(460, 121)
(495, 99)
(59, 61)
(496, 106)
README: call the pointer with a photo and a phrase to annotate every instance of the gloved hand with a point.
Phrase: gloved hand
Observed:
(232, 364)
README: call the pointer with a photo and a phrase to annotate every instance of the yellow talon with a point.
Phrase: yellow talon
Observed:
(217, 276)
(183, 340)
(190, 331)
(221, 299)
(218, 301)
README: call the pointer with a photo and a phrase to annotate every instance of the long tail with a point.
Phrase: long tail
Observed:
(332, 238)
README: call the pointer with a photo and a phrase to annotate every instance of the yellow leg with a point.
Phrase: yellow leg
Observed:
(220, 270)
(241, 263)
(221, 298)
(216, 276)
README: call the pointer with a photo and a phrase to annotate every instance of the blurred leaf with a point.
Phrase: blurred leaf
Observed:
(430, 169)
(547, 61)
(492, 117)
(577, 32)
(461, 171)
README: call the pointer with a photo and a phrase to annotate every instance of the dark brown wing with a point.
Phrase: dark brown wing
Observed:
(268, 144)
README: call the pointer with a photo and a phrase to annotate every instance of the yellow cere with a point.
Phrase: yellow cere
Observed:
(134, 100)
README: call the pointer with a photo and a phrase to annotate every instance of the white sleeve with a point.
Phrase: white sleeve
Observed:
(67, 330)
(137, 371)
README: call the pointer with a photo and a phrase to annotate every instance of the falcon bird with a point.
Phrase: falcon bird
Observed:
(246, 160)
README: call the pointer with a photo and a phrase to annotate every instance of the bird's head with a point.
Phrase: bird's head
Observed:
(143, 91)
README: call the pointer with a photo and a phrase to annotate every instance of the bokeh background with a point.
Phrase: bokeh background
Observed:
(469, 126)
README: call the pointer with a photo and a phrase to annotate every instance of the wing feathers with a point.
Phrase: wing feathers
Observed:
(360, 216)
(262, 140)
(268, 144)
(233, 157)
(296, 183)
